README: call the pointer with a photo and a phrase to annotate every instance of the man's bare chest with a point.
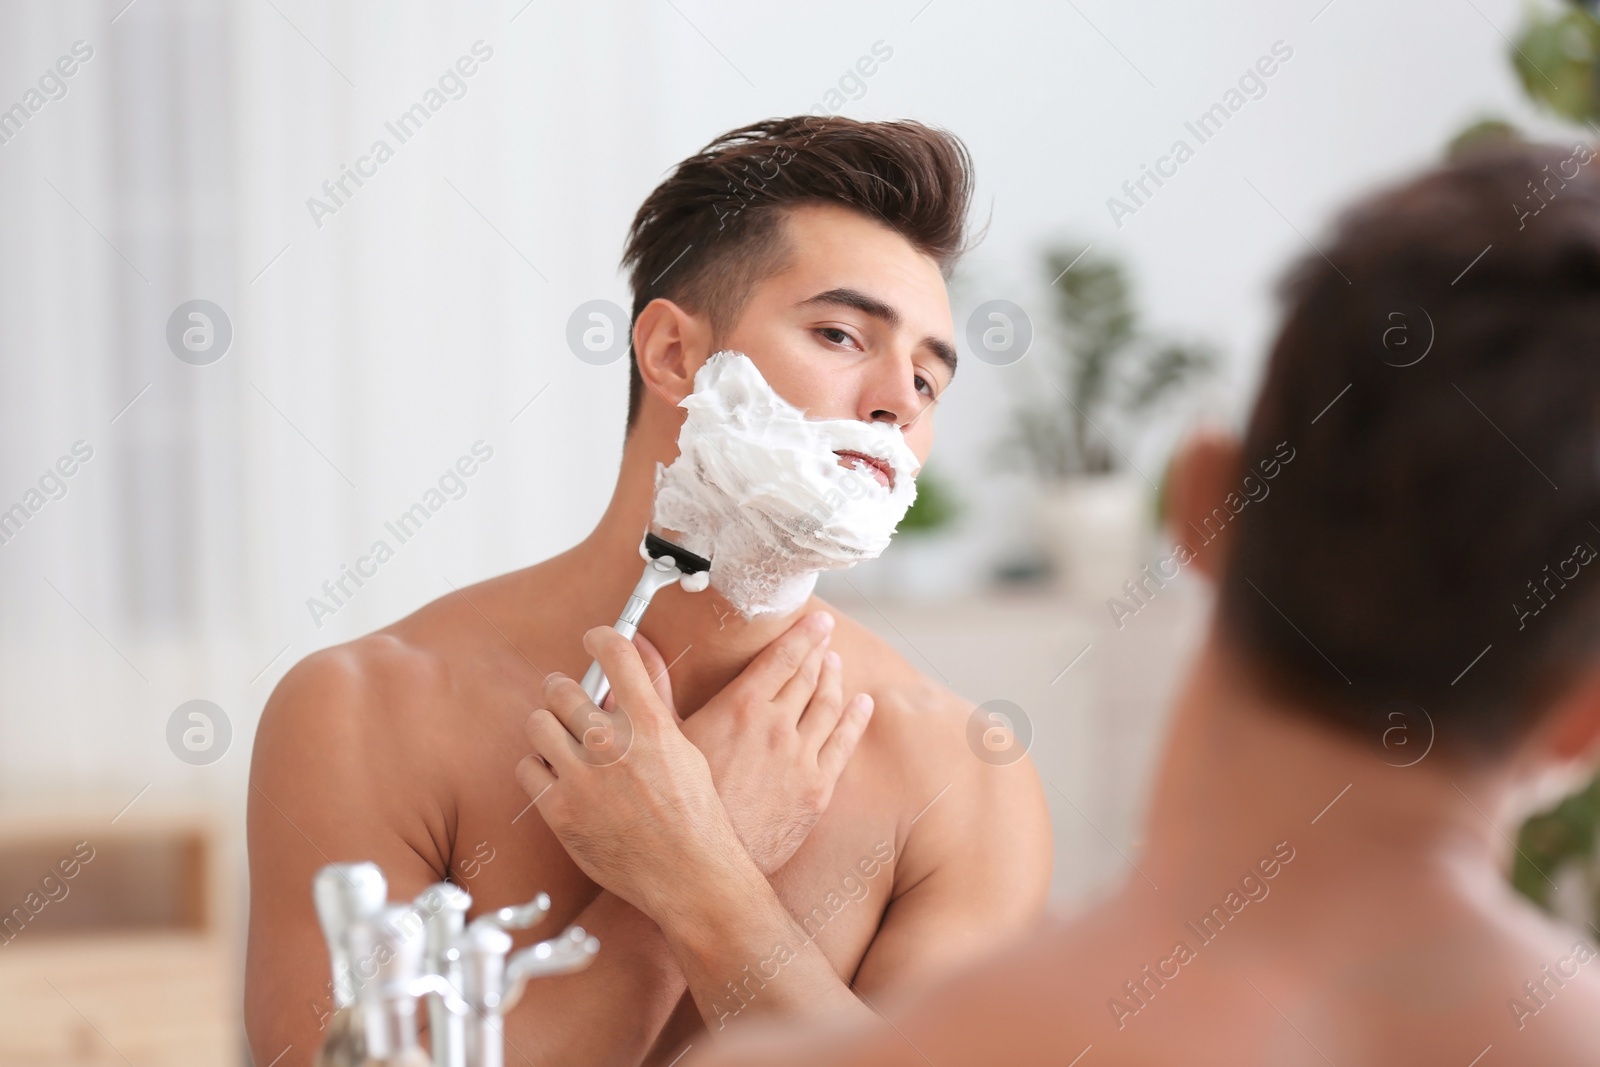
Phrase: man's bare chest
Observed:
(837, 884)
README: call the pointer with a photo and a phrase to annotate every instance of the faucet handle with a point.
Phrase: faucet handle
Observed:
(569, 953)
(438, 985)
(518, 917)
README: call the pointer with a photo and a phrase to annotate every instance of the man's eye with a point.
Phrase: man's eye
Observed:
(923, 385)
(835, 335)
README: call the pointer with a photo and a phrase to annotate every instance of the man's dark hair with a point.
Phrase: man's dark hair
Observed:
(1430, 542)
(714, 228)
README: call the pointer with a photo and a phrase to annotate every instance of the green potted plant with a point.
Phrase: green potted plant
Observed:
(1558, 858)
(934, 509)
(1558, 61)
(1557, 58)
(1102, 373)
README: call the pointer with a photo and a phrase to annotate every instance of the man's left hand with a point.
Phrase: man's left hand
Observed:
(630, 797)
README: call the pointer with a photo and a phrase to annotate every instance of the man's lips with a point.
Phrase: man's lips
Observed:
(879, 468)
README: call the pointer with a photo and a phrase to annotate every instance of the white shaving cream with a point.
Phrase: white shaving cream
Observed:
(758, 490)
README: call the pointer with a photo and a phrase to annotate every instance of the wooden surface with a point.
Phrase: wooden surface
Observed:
(136, 962)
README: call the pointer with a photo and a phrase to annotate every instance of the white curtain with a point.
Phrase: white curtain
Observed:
(120, 206)
(372, 348)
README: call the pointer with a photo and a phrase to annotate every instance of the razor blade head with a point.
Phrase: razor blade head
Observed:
(686, 561)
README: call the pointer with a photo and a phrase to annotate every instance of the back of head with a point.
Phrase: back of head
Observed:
(1437, 376)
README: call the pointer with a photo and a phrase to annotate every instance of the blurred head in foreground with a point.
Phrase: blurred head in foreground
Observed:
(1441, 390)
(1403, 658)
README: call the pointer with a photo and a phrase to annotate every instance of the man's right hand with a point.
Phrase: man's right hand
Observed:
(776, 738)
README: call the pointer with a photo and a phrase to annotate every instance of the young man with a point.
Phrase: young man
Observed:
(877, 854)
(1404, 654)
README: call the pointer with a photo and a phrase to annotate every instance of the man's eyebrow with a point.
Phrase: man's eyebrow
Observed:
(945, 352)
(871, 305)
(855, 298)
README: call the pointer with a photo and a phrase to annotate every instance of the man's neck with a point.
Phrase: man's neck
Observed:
(704, 641)
(1242, 772)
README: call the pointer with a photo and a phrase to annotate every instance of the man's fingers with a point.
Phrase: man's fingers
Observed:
(566, 700)
(797, 692)
(534, 777)
(824, 704)
(619, 657)
(839, 747)
(656, 667)
(550, 741)
(771, 670)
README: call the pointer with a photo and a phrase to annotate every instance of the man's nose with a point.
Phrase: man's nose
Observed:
(889, 393)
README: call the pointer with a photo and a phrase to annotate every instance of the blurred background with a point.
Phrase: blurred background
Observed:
(238, 338)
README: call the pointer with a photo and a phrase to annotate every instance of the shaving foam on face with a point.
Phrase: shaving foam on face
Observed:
(758, 489)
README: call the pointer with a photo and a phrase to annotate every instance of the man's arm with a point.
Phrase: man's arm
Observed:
(974, 869)
(321, 789)
(1010, 1008)
(773, 799)
(648, 822)
(972, 873)
(332, 781)
(650, 827)
(344, 771)
(575, 1019)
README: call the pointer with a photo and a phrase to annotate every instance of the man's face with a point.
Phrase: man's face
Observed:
(857, 327)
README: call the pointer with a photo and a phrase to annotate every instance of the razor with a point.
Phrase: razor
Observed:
(667, 564)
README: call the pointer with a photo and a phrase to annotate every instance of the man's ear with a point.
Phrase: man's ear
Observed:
(1204, 473)
(669, 346)
(1571, 729)
(1564, 749)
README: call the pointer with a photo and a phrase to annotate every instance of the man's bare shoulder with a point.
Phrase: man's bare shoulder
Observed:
(1541, 976)
(398, 683)
(334, 689)
(343, 722)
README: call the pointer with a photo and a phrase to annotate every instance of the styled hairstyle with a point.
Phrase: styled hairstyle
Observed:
(714, 228)
(1438, 378)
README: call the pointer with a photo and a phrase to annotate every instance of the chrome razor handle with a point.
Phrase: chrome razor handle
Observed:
(658, 574)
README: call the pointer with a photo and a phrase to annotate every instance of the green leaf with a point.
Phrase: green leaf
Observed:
(1100, 365)
(934, 508)
(1556, 59)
